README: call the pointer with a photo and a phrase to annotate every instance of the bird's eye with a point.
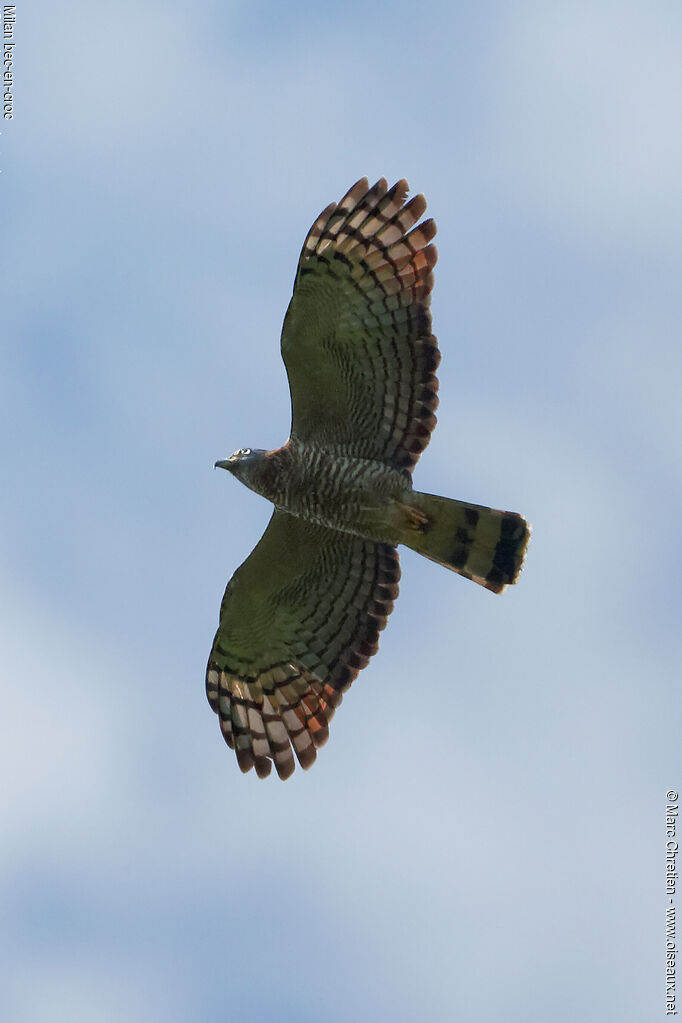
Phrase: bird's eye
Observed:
(245, 451)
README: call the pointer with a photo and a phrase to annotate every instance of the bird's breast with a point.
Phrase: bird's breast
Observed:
(338, 491)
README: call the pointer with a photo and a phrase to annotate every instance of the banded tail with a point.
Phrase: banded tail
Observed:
(480, 543)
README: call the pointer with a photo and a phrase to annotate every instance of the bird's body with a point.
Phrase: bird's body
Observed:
(354, 495)
(302, 615)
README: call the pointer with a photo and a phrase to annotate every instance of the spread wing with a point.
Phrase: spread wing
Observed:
(357, 341)
(299, 619)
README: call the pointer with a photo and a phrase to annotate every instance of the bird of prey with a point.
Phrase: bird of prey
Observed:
(303, 614)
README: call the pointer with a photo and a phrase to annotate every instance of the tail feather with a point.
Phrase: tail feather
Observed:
(479, 543)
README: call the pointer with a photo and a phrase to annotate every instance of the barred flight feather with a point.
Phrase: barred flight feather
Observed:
(325, 624)
(381, 266)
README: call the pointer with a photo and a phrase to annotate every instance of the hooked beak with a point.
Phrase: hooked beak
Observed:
(226, 463)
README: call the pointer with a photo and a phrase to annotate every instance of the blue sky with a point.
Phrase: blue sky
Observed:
(483, 837)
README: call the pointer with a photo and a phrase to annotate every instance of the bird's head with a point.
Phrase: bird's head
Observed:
(242, 462)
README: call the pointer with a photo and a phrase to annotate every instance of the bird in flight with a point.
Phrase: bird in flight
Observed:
(302, 616)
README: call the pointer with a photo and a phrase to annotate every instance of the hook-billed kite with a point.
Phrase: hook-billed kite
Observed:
(303, 614)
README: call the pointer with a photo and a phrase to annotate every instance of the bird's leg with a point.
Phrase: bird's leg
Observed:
(416, 519)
